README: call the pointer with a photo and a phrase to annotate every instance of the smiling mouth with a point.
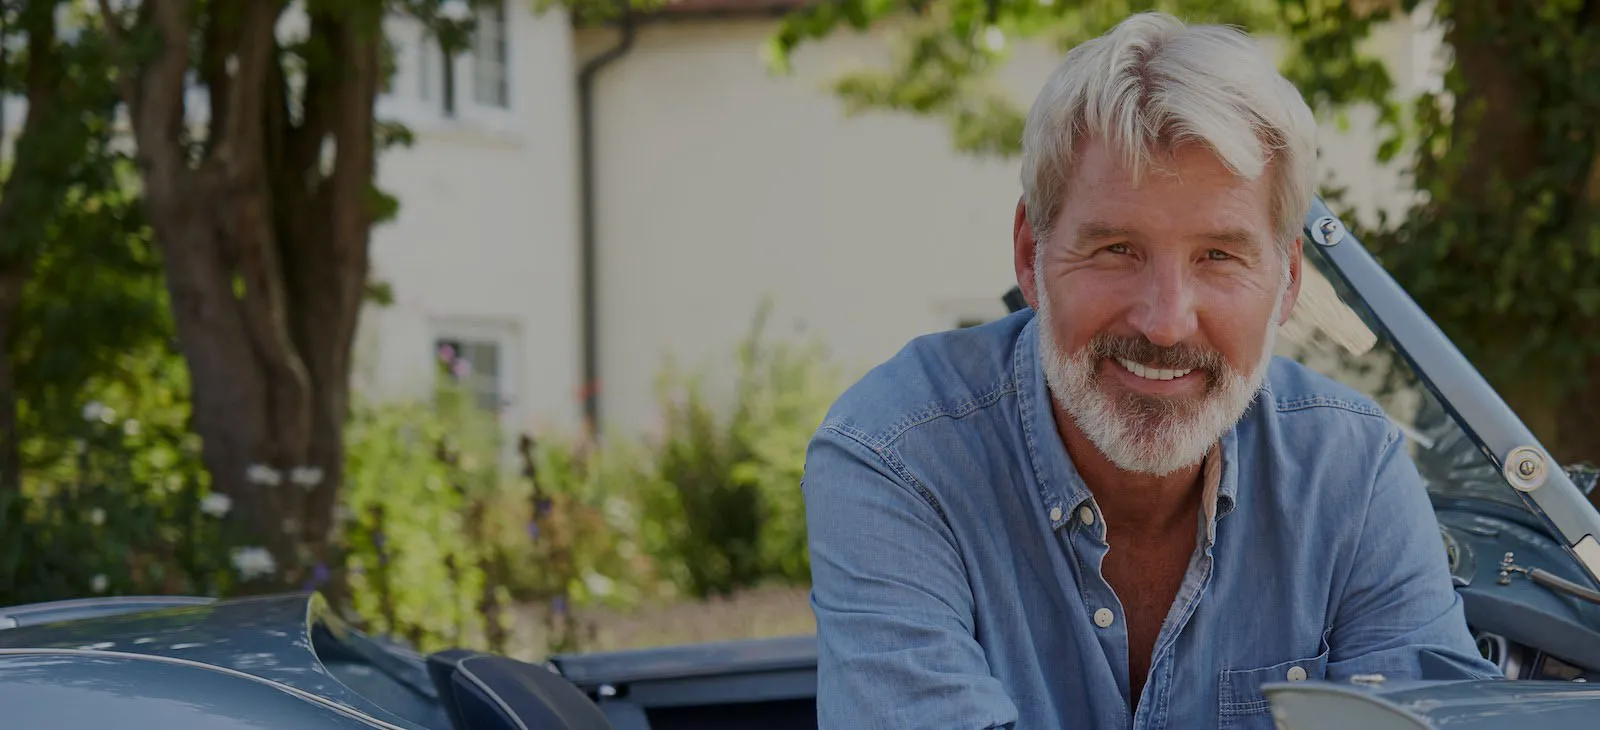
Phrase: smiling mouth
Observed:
(1149, 373)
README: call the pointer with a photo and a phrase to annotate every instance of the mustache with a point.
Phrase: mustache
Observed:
(1141, 350)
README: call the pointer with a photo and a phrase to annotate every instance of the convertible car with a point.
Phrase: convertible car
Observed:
(1521, 536)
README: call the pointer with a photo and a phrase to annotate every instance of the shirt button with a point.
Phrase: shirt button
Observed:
(1297, 674)
(1086, 515)
(1055, 514)
(1104, 617)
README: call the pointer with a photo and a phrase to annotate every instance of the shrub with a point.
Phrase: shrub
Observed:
(114, 501)
(722, 493)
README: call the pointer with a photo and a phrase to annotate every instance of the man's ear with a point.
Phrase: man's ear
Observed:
(1023, 249)
(1291, 293)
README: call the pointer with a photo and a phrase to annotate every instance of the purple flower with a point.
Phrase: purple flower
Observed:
(447, 353)
(542, 506)
(461, 369)
(319, 577)
(559, 605)
(533, 530)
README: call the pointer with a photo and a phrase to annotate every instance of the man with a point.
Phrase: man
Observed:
(1122, 512)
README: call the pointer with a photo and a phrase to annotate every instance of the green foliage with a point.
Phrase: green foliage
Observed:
(946, 52)
(110, 503)
(445, 532)
(93, 315)
(722, 495)
(413, 569)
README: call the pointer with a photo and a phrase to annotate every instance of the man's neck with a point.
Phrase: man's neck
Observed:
(1131, 503)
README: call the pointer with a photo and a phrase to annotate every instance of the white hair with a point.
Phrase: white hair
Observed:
(1153, 83)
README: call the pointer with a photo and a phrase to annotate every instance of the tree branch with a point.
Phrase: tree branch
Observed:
(153, 90)
(220, 38)
(305, 144)
(251, 227)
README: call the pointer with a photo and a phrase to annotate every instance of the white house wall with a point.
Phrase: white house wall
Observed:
(485, 243)
(720, 185)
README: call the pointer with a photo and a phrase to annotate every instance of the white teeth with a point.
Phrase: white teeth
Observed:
(1152, 373)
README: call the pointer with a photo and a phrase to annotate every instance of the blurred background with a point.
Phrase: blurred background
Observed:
(505, 323)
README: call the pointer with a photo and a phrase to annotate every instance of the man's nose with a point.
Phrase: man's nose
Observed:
(1165, 310)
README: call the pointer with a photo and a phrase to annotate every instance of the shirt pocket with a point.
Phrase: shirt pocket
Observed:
(1240, 703)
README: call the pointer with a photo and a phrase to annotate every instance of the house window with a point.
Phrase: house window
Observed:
(427, 63)
(436, 74)
(490, 57)
(476, 365)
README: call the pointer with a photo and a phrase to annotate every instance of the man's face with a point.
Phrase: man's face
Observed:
(1158, 303)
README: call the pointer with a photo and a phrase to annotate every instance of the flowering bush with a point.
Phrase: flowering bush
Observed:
(115, 501)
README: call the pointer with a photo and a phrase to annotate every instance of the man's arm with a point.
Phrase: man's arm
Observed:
(893, 606)
(1398, 603)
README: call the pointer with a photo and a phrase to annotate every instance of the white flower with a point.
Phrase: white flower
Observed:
(99, 583)
(306, 476)
(252, 562)
(598, 585)
(994, 39)
(97, 517)
(95, 410)
(457, 10)
(263, 474)
(216, 505)
(131, 427)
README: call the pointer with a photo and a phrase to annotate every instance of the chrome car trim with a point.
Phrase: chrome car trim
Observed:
(154, 601)
(300, 693)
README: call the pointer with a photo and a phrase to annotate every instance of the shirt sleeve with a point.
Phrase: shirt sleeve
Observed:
(893, 605)
(1400, 615)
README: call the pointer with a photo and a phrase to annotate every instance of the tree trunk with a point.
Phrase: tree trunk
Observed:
(266, 255)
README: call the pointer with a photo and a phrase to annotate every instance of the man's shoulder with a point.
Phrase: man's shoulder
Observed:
(953, 373)
(1313, 412)
(1293, 387)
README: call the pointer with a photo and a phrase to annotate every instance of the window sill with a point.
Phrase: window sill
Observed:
(473, 123)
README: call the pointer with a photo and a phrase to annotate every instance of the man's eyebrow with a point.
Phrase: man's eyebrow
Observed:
(1232, 236)
(1099, 231)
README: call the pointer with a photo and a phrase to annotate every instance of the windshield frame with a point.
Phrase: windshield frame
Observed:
(1463, 392)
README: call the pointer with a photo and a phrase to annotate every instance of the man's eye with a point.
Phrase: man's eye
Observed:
(1215, 255)
(1118, 248)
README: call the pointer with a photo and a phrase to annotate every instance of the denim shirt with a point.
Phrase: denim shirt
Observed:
(956, 555)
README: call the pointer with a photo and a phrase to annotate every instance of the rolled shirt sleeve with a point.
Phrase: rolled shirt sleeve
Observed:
(1400, 615)
(894, 610)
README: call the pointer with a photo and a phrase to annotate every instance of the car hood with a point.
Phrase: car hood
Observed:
(268, 637)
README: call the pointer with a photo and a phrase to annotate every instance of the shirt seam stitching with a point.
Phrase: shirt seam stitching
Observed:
(966, 406)
(893, 463)
(1321, 401)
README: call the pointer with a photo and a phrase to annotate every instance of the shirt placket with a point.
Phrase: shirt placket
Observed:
(1152, 713)
(1086, 532)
